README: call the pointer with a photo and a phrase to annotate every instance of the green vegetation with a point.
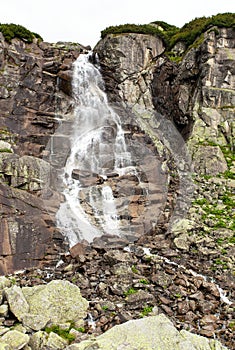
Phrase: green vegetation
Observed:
(134, 269)
(178, 295)
(191, 34)
(5, 150)
(144, 281)
(81, 329)
(232, 325)
(193, 29)
(146, 310)
(105, 307)
(133, 28)
(222, 263)
(130, 291)
(63, 333)
(11, 31)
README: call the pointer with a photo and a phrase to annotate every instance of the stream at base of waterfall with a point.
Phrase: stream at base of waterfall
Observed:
(112, 182)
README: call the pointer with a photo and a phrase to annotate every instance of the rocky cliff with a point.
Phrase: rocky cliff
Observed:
(195, 97)
(35, 96)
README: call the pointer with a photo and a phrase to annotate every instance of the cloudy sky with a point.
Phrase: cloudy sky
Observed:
(82, 20)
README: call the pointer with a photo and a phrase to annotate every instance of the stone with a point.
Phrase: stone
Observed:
(209, 160)
(117, 256)
(56, 342)
(17, 302)
(129, 57)
(4, 346)
(5, 146)
(16, 340)
(26, 172)
(3, 310)
(181, 226)
(155, 332)
(25, 234)
(4, 282)
(139, 299)
(59, 300)
(38, 340)
(78, 250)
(182, 242)
(3, 330)
(35, 322)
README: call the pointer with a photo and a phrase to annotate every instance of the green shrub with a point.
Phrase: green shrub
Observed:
(11, 31)
(63, 333)
(171, 34)
(192, 30)
(133, 28)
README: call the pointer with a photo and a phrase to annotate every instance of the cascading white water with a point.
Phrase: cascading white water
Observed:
(97, 148)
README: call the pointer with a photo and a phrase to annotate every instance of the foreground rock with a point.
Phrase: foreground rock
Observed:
(51, 316)
(156, 332)
(57, 304)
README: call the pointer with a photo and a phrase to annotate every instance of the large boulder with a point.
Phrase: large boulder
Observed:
(156, 332)
(14, 339)
(55, 303)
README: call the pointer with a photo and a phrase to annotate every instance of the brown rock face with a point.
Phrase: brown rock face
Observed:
(26, 234)
(35, 96)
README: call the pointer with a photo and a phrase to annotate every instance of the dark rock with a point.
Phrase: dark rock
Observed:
(137, 300)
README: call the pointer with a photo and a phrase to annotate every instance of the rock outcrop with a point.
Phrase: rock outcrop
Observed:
(197, 94)
(35, 96)
(195, 97)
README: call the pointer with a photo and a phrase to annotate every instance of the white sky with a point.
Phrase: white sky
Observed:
(82, 20)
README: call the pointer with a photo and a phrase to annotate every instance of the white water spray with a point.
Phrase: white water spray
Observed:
(97, 148)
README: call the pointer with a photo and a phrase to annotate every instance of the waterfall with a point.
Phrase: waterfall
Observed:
(98, 149)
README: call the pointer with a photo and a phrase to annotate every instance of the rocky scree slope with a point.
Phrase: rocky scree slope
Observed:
(51, 316)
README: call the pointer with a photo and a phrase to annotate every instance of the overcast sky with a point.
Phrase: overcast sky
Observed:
(82, 20)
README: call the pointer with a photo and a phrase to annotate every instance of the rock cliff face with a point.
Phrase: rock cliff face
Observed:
(197, 94)
(35, 96)
(193, 99)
